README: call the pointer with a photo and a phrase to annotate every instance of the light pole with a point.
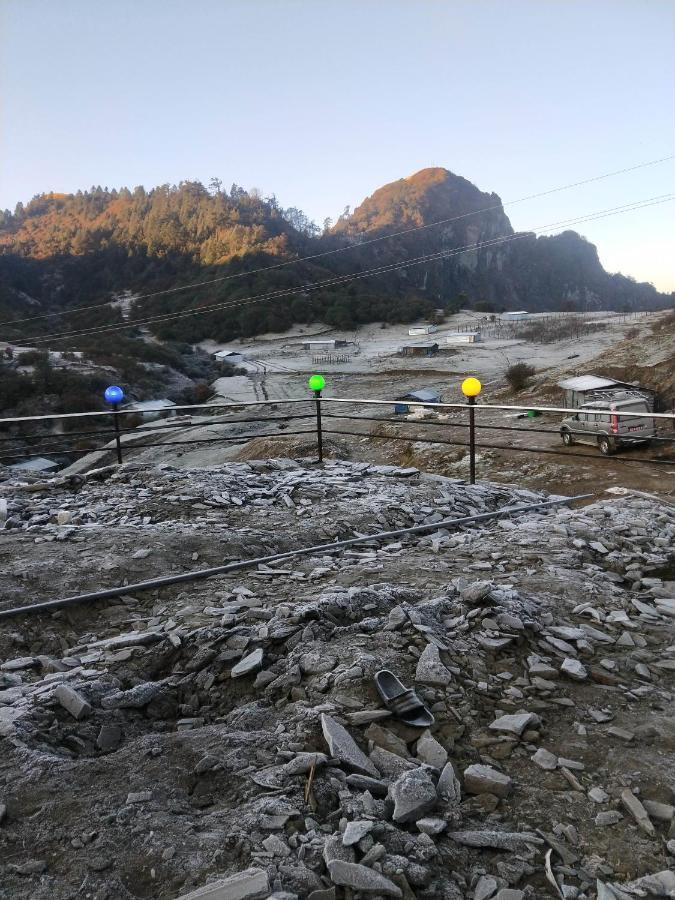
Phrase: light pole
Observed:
(471, 388)
(317, 383)
(114, 396)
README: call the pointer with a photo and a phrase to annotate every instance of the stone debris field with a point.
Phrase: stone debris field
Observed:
(223, 739)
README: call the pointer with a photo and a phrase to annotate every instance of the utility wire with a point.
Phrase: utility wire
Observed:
(357, 243)
(341, 279)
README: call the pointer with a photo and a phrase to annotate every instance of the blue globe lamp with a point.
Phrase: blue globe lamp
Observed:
(113, 394)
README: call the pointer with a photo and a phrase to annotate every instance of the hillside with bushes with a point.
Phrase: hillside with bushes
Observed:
(65, 251)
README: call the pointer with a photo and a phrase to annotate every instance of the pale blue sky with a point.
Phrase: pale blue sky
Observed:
(322, 101)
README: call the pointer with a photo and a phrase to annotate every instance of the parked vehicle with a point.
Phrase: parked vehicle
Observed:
(608, 430)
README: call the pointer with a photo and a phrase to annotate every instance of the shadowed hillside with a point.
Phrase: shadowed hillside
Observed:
(62, 251)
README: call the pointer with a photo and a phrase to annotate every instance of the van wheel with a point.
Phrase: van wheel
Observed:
(605, 446)
(567, 439)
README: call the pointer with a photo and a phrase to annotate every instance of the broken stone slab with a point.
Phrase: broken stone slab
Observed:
(251, 884)
(486, 887)
(660, 884)
(109, 738)
(72, 702)
(21, 662)
(385, 738)
(250, 663)
(344, 748)
(431, 826)
(430, 669)
(597, 795)
(135, 698)
(476, 593)
(662, 812)
(355, 831)
(448, 787)
(132, 639)
(365, 783)
(390, 764)
(430, 752)
(515, 723)
(361, 878)
(481, 779)
(413, 795)
(514, 841)
(608, 817)
(633, 806)
(277, 776)
(574, 669)
(317, 663)
(545, 760)
(327, 894)
(274, 845)
(333, 849)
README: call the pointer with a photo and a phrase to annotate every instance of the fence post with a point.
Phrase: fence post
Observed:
(471, 388)
(317, 383)
(114, 396)
(118, 441)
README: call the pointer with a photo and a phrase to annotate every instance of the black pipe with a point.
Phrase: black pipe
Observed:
(247, 563)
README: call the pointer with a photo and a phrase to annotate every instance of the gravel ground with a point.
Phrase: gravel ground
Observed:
(195, 734)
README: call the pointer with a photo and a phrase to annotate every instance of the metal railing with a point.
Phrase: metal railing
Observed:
(323, 417)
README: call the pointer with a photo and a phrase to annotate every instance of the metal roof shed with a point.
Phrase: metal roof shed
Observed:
(581, 388)
(424, 395)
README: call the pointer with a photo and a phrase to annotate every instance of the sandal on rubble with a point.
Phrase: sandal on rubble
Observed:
(402, 701)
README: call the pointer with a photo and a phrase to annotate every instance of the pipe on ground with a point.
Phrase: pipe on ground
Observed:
(275, 557)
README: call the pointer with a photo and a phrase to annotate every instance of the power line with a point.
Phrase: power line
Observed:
(353, 246)
(335, 280)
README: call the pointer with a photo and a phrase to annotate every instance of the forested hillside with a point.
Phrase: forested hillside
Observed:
(62, 251)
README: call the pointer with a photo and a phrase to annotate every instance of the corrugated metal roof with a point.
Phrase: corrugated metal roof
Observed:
(586, 383)
(151, 405)
(425, 395)
(39, 464)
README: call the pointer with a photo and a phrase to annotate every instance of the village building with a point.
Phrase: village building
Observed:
(234, 357)
(463, 337)
(585, 388)
(323, 345)
(515, 315)
(149, 410)
(38, 464)
(417, 330)
(425, 349)
(424, 395)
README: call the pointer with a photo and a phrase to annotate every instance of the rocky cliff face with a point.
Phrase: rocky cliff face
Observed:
(539, 273)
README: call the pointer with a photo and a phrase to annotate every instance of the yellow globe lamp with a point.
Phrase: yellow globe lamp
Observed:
(471, 387)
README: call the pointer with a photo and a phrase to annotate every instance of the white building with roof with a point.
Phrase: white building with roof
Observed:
(516, 315)
(152, 409)
(462, 337)
(37, 464)
(417, 330)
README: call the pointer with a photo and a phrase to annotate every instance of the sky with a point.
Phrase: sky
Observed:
(320, 102)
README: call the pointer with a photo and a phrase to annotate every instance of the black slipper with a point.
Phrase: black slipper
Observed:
(402, 701)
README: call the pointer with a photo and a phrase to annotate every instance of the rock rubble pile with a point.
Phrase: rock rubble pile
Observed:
(225, 739)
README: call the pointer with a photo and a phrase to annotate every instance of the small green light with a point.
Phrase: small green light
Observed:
(317, 383)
